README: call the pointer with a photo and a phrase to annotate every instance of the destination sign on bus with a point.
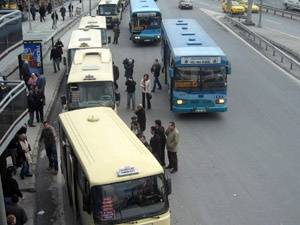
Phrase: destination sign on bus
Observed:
(127, 170)
(146, 14)
(201, 60)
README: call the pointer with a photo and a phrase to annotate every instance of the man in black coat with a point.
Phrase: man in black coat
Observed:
(141, 114)
(31, 108)
(26, 73)
(15, 209)
(55, 55)
(155, 143)
(160, 130)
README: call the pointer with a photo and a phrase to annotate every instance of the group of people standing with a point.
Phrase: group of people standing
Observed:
(36, 100)
(159, 138)
(145, 83)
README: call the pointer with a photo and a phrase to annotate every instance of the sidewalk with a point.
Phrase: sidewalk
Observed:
(28, 185)
(53, 80)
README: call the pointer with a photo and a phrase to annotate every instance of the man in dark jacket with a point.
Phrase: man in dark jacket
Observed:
(10, 186)
(141, 114)
(155, 70)
(160, 130)
(33, 11)
(56, 57)
(128, 66)
(26, 73)
(31, 108)
(116, 75)
(39, 99)
(17, 210)
(155, 143)
(54, 17)
(130, 83)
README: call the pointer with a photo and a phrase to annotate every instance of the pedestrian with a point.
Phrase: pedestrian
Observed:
(10, 186)
(63, 12)
(39, 99)
(141, 116)
(13, 152)
(31, 108)
(24, 153)
(41, 82)
(116, 31)
(11, 219)
(128, 66)
(155, 143)
(146, 90)
(32, 81)
(26, 73)
(155, 70)
(49, 8)
(144, 141)
(116, 75)
(56, 57)
(33, 11)
(70, 7)
(59, 45)
(18, 211)
(135, 129)
(42, 12)
(49, 137)
(54, 18)
(160, 130)
(130, 88)
(135, 119)
(172, 146)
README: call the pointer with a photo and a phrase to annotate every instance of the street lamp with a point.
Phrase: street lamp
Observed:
(259, 21)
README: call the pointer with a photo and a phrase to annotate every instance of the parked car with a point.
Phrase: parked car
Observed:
(185, 4)
(235, 8)
(244, 3)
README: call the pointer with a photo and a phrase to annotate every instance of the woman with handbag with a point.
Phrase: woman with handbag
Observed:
(146, 90)
(25, 157)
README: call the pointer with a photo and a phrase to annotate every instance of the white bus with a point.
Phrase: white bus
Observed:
(90, 82)
(97, 23)
(112, 10)
(112, 178)
(82, 39)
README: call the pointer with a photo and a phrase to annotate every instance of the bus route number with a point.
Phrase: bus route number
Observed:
(200, 60)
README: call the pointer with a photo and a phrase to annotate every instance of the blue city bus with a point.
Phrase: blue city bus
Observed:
(145, 21)
(195, 68)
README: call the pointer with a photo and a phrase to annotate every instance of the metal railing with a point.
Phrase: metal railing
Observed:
(275, 51)
(281, 12)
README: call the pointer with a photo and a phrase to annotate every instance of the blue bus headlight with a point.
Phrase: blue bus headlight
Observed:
(180, 102)
(137, 37)
(157, 37)
(220, 101)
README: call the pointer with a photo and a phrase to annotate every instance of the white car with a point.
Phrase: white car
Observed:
(292, 4)
(185, 4)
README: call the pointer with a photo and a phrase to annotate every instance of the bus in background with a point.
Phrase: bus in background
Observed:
(196, 68)
(112, 10)
(81, 39)
(112, 178)
(90, 82)
(97, 23)
(145, 21)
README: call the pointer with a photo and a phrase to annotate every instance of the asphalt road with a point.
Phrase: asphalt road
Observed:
(237, 167)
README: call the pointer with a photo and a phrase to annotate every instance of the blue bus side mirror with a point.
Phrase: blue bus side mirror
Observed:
(171, 72)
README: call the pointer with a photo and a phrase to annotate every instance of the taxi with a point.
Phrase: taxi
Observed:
(244, 3)
(236, 8)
